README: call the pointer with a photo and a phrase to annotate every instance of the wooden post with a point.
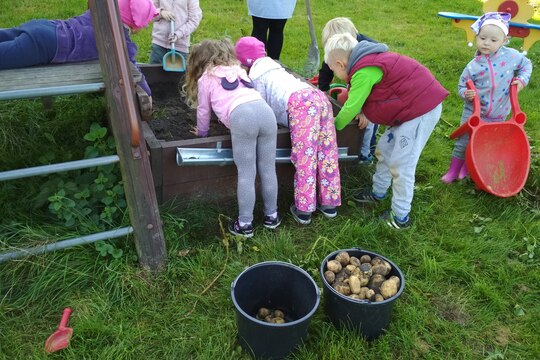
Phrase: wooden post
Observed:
(125, 123)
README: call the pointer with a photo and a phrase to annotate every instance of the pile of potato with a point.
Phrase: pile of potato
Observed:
(271, 316)
(361, 279)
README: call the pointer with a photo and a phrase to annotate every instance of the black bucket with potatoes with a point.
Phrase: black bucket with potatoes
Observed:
(274, 303)
(360, 292)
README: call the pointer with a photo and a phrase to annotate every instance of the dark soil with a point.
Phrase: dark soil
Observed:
(172, 120)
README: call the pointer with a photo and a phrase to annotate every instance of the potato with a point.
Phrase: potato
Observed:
(396, 279)
(343, 258)
(342, 288)
(355, 297)
(329, 276)
(389, 288)
(370, 295)
(269, 319)
(278, 320)
(349, 269)
(341, 276)
(378, 298)
(366, 269)
(380, 269)
(363, 292)
(279, 314)
(353, 260)
(263, 312)
(365, 259)
(375, 282)
(334, 266)
(377, 262)
(364, 279)
(354, 284)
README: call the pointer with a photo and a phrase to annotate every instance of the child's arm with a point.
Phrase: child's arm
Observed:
(204, 107)
(361, 84)
(523, 73)
(463, 92)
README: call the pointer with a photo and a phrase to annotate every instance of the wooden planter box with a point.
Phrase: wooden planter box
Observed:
(211, 182)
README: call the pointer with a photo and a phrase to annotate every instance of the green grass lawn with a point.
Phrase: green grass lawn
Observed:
(471, 260)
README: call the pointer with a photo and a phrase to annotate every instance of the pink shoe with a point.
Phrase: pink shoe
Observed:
(453, 172)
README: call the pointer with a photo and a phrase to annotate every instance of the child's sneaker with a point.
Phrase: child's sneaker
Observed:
(244, 231)
(365, 160)
(395, 222)
(300, 216)
(329, 212)
(271, 222)
(367, 196)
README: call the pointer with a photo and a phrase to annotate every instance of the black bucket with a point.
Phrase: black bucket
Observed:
(273, 285)
(368, 319)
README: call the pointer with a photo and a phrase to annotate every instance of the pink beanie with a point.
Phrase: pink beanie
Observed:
(137, 13)
(248, 49)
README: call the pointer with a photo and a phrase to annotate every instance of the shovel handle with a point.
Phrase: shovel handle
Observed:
(172, 33)
(65, 318)
(474, 119)
(517, 115)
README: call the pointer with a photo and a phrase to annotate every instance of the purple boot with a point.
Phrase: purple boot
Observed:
(453, 173)
(463, 172)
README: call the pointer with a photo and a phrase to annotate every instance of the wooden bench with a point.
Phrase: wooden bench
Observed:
(63, 79)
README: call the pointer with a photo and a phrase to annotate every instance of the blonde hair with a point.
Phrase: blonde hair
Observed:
(204, 56)
(339, 45)
(339, 25)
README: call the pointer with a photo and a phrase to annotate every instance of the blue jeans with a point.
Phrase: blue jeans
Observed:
(158, 52)
(32, 43)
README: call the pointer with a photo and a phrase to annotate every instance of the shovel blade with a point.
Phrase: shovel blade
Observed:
(58, 340)
(311, 66)
(174, 61)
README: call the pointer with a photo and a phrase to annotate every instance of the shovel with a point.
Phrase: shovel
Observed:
(173, 60)
(498, 154)
(60, 338)
(313, 60)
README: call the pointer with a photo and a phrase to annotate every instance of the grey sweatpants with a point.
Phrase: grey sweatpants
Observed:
(253, 134)
(397, 152)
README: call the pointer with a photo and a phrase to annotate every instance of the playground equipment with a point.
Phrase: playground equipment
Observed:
(498, 154)
(520, 10)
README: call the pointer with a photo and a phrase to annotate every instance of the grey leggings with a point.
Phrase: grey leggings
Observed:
(253, 134)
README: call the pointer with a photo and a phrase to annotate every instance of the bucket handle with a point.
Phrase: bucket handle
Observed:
(518, 116)
(474, 120)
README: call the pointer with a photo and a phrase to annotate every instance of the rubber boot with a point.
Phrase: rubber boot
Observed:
(463, 172)
(453, 172)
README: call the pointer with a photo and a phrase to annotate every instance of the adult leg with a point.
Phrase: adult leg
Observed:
(275, 38)
(260, 29)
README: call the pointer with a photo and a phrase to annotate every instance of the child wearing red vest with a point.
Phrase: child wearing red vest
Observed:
(389, 89)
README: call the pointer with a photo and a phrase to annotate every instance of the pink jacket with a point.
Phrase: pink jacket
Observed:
(212, 96)
(187, 14)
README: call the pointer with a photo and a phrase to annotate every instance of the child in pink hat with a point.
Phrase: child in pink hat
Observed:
(41, 42)
(307, 112)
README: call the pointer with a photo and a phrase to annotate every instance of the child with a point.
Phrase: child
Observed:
(307, 112)
(216, 82)
(342, 25)
(186, 15)
(493, 69)
(393, 90)
(40, 42)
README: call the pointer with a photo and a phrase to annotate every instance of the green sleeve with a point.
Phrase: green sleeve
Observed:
(361, 83)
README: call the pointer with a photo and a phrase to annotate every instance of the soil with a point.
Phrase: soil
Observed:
(173, 120)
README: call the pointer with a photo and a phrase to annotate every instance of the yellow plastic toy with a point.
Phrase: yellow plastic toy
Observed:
(520, 10)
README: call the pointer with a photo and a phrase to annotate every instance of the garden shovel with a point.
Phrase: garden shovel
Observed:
(313, 60)
(60, 338)
(173, 60)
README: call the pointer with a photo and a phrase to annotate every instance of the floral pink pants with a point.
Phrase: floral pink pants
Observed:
(314, 150)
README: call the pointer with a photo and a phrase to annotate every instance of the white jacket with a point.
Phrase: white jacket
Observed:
(275, 85)
(187, 14)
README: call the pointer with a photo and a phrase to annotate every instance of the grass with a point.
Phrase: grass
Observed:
(471, 260)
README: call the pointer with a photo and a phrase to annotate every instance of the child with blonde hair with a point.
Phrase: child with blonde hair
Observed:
(307, 113)
(493, 70)
(390, 89)
(215, 82)
(343, 25)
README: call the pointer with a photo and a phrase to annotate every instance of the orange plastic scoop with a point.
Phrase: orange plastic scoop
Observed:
(498, 155)
(60, 338)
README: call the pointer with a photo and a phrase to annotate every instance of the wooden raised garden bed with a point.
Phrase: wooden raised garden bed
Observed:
(197, 176)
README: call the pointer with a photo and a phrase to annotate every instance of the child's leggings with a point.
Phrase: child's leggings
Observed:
(398, 151)
(253, 135)
(314, 150)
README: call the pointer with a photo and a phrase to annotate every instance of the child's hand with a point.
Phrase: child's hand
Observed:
(194, 131)
(518, 83)
(362, 121)
(470, 94)
(167, 15)
(172, 38)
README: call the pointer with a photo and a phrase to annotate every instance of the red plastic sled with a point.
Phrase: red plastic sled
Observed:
(498, 155)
